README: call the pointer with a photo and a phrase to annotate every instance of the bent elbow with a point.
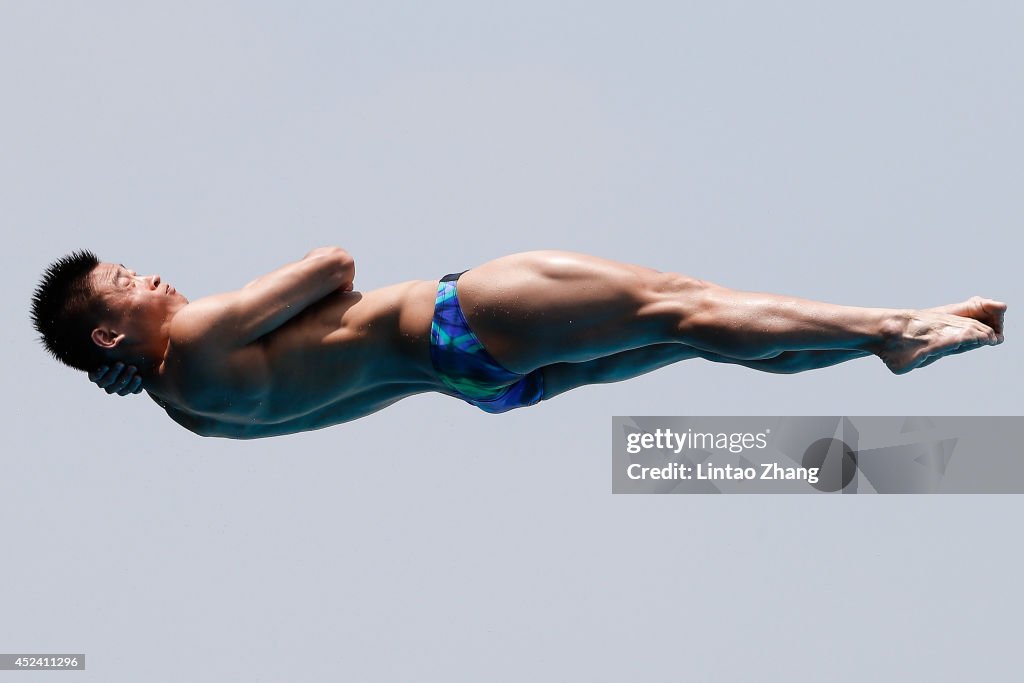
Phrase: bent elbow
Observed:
(328, 252)
(339, 263)
(346, 266)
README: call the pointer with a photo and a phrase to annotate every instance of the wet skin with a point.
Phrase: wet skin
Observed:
(300, 349)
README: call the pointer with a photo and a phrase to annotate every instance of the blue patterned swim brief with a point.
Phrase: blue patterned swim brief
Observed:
(465, 366)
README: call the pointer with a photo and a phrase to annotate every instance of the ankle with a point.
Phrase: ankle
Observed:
(892, 328)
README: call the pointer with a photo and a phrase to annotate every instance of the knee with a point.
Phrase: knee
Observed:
(675, 284)
(672, 291)
(682, 302)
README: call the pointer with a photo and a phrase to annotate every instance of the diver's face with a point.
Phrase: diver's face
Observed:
(136, 303)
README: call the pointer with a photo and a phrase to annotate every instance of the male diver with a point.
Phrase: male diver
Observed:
(300, 349)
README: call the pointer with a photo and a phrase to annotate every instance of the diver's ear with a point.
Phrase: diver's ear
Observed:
(106, 339)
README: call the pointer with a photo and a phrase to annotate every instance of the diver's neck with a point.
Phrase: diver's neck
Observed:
(148, 360)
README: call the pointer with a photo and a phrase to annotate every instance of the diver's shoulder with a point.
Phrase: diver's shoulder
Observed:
(193, 323)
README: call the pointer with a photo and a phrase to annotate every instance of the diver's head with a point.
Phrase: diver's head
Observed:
(89, 313)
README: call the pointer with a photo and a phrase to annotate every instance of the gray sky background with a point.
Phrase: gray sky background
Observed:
(867, 154)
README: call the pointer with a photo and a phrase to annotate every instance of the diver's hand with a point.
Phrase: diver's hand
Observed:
(117, 380)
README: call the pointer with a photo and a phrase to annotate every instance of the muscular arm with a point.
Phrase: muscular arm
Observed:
(235, 319)
(319, 251)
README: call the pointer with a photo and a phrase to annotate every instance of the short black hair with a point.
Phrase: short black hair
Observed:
(65, 308)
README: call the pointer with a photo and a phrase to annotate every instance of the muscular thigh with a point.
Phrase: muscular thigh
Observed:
(540, 307)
